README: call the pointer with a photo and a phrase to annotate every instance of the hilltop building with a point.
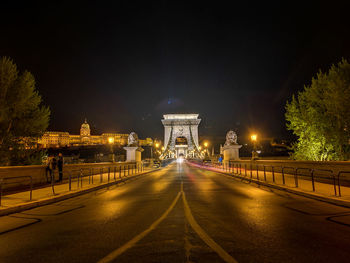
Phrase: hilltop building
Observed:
(53, 139)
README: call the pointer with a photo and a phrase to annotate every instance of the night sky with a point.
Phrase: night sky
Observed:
(123, 64)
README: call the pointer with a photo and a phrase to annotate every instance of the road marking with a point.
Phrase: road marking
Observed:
(114, 254)
(203, 235)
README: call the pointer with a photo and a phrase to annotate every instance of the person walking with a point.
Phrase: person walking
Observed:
(60, 167)
(220, 159)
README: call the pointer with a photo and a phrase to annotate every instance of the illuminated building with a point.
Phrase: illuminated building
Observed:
(52, 139)
(146, 142)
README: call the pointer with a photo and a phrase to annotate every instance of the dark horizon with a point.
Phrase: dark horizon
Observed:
(123, 65)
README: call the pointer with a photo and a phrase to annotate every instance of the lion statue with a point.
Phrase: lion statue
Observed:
(133, 139)
(231, 138)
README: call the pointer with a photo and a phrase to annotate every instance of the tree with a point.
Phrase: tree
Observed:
(22, 117)
(320, 116)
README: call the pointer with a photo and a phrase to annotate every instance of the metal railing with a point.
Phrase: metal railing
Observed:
(338, 180)
(2, 180)
(326, 176)
(111, 171)
(116, 172)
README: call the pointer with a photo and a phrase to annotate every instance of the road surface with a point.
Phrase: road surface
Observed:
(179, 214)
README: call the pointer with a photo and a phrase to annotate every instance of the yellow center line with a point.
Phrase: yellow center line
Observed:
(114, 254)
(201, 233)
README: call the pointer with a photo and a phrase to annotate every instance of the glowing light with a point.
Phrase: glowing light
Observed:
(179, 160)
(157, 145)
(110, 140)
(206, 144)
(254, 137)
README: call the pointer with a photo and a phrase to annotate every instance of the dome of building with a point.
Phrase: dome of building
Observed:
(85, 129)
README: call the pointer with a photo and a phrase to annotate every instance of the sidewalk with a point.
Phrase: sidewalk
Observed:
(323, 191)
(14, 203)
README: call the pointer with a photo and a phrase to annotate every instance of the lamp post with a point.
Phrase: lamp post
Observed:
(157, 146)
(206, 148)
(254, 138)
(111, 142)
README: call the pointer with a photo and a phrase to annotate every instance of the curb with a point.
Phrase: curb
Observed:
(321, 198)
(58, 198)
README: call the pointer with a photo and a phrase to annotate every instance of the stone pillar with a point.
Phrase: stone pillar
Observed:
(231, 152)
(133, 153)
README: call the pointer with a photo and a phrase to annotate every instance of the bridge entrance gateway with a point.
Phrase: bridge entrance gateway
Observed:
(181, 136)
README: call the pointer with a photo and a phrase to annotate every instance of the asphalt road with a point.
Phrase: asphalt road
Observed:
(179, 214)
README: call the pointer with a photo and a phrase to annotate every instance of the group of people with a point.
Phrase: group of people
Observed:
(51, 165)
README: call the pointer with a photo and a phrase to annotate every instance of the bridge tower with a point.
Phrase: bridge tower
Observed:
(181, 135)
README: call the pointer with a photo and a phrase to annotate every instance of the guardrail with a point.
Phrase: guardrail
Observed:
(294, 173)
(17, 177)
(113, 173)
(125, 170)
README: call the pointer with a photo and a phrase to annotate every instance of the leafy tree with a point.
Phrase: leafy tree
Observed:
(22, 117)
(320, 116)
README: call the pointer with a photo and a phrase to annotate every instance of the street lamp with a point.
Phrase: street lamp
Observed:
(206, 147)
(156, 145)
(254, 138)
(111, 142)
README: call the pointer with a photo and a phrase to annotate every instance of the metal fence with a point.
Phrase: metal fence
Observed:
(278, 174)
(5, 180)
(79, 177)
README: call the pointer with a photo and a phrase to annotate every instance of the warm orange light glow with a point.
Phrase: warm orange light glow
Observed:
(157, 145)
(254, 137)
(110, 140)
(206, 144)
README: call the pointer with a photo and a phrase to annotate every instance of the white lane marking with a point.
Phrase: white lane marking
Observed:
(203, 235)
(114, 254)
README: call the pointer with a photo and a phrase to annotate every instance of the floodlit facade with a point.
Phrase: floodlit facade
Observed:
(181, 135)
(64, 139)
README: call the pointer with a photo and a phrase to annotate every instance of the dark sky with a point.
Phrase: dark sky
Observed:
(123, 64)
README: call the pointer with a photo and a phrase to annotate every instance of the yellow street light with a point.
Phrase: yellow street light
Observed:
(157, 145)
(254, 137)
(163, 148)
(206, 144)
(200, 148)
(111, 142)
